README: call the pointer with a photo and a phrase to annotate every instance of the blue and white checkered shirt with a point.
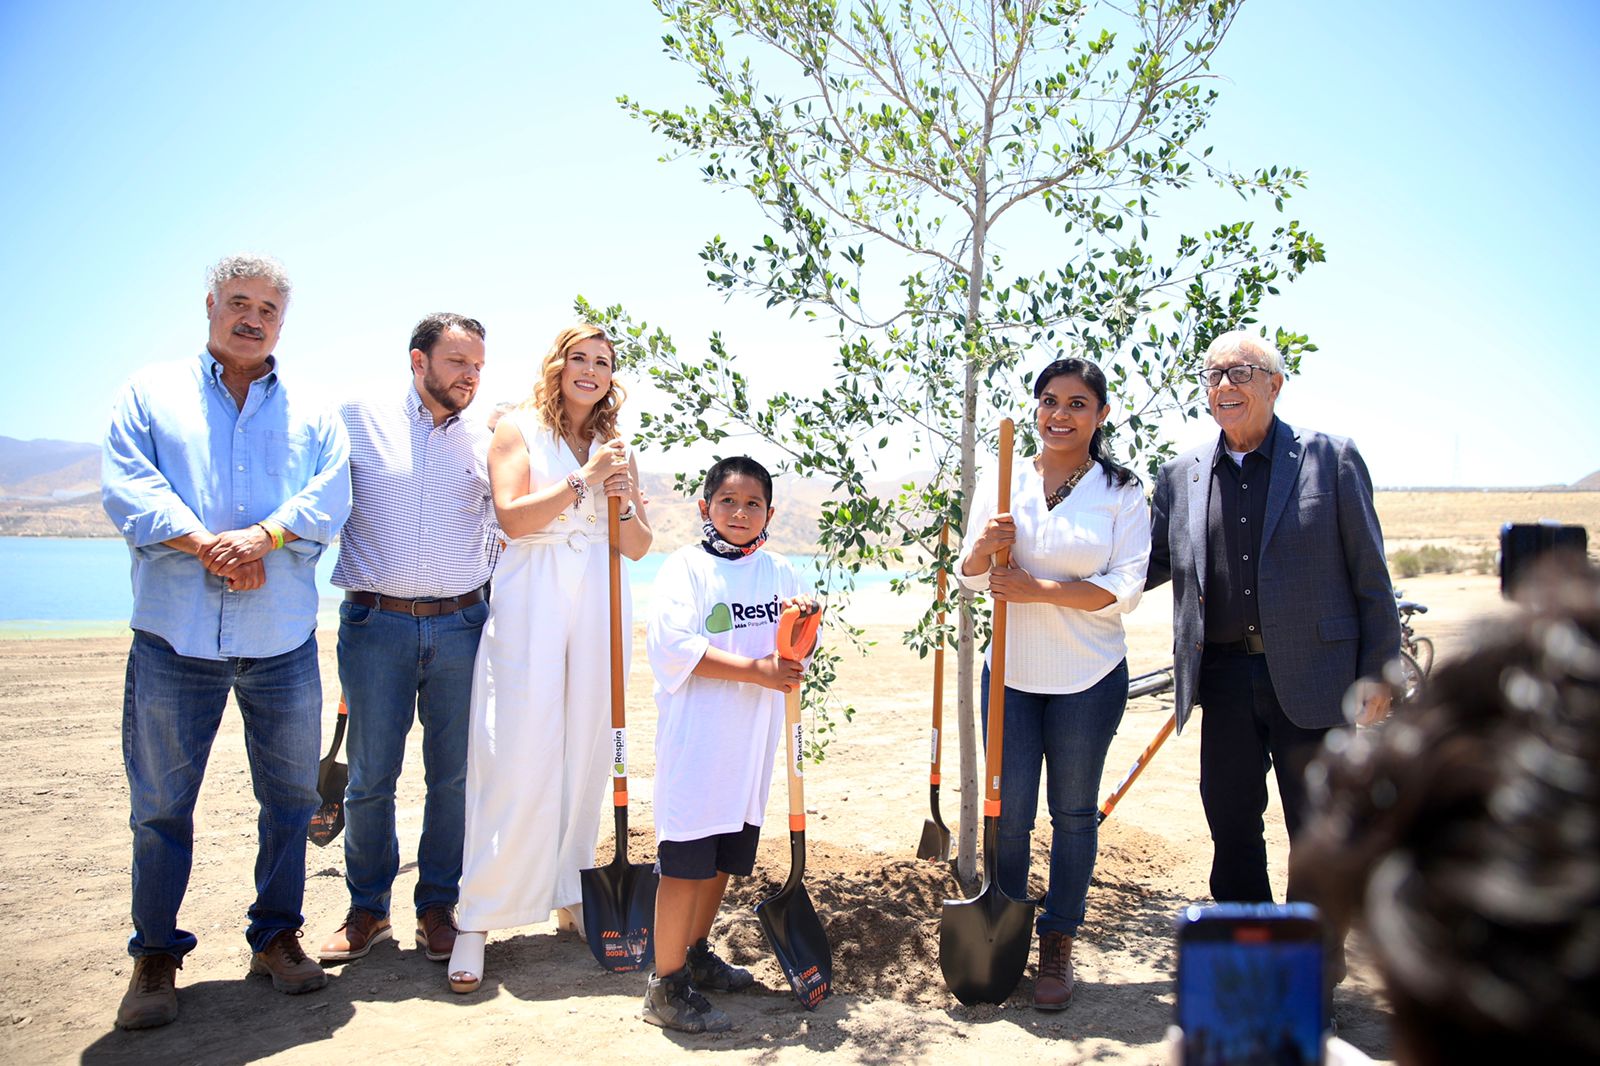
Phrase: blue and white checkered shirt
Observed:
(421, 525)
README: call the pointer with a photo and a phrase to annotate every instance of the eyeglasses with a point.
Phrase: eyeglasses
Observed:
(1211, 376)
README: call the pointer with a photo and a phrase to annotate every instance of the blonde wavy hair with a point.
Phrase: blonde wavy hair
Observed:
(547, 402)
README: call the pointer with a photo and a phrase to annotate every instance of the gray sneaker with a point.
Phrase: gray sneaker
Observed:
(706, 970)
(672, 1003)
(152, 996)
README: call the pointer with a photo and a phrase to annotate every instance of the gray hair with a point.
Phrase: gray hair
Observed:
(249, 265)
(1240, 342)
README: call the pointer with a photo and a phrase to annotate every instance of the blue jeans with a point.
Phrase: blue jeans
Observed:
(171, 708)
(394, 667)
(1068, 734)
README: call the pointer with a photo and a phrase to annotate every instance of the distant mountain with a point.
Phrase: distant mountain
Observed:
(48, 469)
(1588, 484)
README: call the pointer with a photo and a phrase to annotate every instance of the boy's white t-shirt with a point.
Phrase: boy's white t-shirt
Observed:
(715, 740)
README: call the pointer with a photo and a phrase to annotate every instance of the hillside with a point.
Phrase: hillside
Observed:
(48, 469)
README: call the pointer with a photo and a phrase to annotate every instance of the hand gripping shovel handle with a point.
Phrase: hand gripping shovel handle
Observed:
(997, 648)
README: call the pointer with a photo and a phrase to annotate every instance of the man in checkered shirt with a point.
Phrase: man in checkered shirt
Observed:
(414, 560)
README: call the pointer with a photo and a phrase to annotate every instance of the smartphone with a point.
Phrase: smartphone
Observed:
(1250, 984)
(1523, 542)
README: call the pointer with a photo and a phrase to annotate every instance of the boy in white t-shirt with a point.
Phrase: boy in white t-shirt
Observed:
(719, 691)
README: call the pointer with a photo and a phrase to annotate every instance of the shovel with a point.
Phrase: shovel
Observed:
(984, 941)
(788, 918)
(619, 899)
(332, 777)
(1138, 767)
(935, 842)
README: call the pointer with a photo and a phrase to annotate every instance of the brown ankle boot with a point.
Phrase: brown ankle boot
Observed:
(1052, 989)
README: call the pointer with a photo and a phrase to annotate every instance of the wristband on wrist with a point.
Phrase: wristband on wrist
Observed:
(273, 532)
(581, 490)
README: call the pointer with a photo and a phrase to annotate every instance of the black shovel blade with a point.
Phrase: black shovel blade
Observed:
(326, 823)
(935, 842)
(984, 941)
(619, 911)
(796, 934)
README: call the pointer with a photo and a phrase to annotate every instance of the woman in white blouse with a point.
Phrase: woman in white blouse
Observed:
(1079, 534)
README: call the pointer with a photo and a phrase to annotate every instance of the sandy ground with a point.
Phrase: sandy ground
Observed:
(64, 854)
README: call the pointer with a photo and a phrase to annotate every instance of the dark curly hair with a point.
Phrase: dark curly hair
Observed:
(1465, 837)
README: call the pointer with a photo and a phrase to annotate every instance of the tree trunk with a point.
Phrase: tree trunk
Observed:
(966, 649)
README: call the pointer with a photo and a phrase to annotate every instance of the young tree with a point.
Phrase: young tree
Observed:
(922, 132)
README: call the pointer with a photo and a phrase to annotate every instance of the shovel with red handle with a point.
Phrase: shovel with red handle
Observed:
(788, 918)
(984, 941)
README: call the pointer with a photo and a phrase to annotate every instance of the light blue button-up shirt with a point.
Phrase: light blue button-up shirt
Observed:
(181, 457)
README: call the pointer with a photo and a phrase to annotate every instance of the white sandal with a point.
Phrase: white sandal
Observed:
(466, 962)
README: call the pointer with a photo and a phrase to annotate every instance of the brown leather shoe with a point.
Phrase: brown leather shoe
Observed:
(1052, 989)
(353, 939)
(436, 932)
(152, 996)
(283, 960)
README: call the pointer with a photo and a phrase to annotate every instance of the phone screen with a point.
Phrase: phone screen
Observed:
(1250, 986)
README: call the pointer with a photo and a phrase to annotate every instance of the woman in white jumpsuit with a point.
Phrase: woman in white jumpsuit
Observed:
(538, 754)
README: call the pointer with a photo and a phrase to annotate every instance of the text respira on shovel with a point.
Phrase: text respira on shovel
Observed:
(984, 941)
(788, 918)
(619, 899)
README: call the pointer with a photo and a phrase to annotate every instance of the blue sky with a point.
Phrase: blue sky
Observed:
(402, 158)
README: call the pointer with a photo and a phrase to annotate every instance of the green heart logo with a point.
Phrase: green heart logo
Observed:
(720, 620)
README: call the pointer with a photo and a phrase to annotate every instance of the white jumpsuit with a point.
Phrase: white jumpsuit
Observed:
(538, 755)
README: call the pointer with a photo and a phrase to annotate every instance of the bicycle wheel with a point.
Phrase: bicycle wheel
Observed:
(1422, 650)
(1410, 678)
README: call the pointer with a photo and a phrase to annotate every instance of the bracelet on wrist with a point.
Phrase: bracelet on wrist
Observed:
(628, 515)
(274, 534)
(579, 489)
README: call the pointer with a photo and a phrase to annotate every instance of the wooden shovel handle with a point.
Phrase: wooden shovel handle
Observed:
(997, 645)
(619, 782)
(794, 750)
(938, 660)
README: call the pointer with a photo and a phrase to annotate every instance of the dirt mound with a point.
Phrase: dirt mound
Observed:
(882, 912)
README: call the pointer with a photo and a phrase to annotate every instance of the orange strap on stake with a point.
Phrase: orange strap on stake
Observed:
(619, 729)
(997, 642)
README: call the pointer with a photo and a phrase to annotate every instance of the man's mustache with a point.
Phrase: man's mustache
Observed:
(250, 331)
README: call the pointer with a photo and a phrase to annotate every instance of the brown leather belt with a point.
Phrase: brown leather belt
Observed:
(418, 608)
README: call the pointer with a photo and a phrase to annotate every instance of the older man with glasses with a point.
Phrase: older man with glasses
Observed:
(1281, 603)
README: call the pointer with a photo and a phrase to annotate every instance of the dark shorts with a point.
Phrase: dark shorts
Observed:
(703, 859)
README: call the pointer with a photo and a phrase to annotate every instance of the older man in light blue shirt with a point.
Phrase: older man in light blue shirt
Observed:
(227, 486)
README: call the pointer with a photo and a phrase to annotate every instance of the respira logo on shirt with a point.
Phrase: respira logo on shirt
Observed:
(726, 616)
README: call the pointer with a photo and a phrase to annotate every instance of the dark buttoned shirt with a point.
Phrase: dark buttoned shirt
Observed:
(1234, 518)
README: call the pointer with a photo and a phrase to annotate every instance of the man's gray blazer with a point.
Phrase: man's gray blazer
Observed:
(1327, 608)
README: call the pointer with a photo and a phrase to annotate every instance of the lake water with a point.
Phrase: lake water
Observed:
(52, 586)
